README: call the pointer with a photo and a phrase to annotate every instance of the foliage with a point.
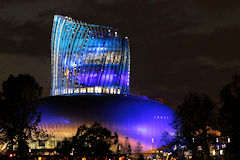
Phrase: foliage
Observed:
(196, 117)
(94, 140)
(176, 143)
(64, 148)
(193, 124)
(127, 149)
(19, 117)
(138, 148)
(229, 116)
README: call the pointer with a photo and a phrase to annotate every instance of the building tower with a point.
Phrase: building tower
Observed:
(88, 59)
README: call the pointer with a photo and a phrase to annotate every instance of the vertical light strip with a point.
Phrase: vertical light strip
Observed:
(91, 57)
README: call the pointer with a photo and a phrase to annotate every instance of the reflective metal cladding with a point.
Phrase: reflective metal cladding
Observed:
(88, 58)
(138, 118)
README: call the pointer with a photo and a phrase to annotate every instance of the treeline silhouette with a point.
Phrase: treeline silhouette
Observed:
(202, 125)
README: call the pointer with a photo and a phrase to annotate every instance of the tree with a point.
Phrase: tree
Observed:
(176, 144)
(94, 140)
(19, 117)
(65, 147)
(119, 149)
(229, 116)
(195, 114)
(127, 149)
(138, 148)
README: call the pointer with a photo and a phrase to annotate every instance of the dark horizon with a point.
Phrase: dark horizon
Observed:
(177, 46)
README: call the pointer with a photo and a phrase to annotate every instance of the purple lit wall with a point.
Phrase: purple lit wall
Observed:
(90, 65)
(138, 118)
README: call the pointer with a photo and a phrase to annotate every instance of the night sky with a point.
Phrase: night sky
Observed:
(177, 46)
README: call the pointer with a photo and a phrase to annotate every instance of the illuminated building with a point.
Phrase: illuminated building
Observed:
(90, 83)
(88, 58)
(138, 118)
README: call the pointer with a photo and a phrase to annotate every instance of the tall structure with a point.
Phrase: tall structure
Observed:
(88, 58)
(95, 61)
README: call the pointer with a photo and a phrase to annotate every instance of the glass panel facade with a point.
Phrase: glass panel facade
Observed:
(88, 58)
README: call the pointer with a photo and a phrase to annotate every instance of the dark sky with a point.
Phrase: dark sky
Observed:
(177, 46)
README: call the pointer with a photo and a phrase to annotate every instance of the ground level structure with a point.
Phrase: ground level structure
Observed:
(138, 118)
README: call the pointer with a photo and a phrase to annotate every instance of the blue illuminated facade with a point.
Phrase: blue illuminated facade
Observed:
(91, 65)
(88, 58)
(138, 118)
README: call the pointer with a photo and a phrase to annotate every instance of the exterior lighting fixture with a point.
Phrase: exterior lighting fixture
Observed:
(214, 152)
(221, 152)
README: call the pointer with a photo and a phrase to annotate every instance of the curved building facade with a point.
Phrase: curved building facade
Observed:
(138, 118)
(90, 83)
(88, 58)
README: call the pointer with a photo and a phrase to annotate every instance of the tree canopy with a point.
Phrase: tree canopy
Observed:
(193, 121)
(88, 141)
(19, 116)
(229, 116)
(127, 149)
(138, 148)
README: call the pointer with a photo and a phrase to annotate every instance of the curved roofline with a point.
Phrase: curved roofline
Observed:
(131, 95)
(92, 25)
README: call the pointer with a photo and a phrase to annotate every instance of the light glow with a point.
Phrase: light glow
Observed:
(128, 116)
(214, 152)
(88, 56)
